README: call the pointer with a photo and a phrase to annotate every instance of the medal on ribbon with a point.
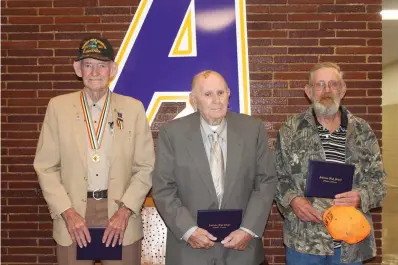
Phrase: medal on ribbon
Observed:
(95, 135)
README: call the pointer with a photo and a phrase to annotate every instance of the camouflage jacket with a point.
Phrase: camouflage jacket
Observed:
(297, 142)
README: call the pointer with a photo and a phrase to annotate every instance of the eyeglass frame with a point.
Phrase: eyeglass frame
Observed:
(339, 84)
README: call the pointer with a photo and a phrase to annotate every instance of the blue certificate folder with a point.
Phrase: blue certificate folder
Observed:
(96, 250)
(326, 179)
(219, 223)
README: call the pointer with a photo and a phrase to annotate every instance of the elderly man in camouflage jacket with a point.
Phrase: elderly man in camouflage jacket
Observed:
(326, 131)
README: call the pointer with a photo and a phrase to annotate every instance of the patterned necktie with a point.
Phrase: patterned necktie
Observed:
(217, 166)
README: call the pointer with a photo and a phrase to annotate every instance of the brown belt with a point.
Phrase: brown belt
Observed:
(97, 194)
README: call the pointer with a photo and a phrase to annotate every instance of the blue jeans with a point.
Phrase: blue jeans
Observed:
(296, 258)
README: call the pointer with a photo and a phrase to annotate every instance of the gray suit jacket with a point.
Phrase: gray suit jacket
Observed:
(182, 185)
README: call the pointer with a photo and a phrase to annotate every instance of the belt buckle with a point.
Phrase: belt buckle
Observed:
(96, 198)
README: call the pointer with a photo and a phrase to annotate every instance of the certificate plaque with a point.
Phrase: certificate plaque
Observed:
(219, 223)
(326, 179)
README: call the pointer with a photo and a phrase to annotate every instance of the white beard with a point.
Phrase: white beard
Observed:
(326, 111)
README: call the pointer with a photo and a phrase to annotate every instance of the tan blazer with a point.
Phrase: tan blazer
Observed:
(61, 162)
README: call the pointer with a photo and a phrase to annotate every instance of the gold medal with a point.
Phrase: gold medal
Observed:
(96, 158)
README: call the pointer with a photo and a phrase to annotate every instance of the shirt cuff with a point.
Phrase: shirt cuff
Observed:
(188, 233)
(248, 231)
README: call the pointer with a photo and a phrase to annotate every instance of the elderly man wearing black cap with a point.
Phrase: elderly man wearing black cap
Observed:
(94, 161)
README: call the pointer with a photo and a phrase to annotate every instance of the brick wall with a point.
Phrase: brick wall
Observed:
(286, 37)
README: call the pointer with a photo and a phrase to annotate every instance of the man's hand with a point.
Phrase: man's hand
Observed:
(201, 239)
(238, 240)
(116, 227)
(77, 227)
(350, 198)
(304, 210)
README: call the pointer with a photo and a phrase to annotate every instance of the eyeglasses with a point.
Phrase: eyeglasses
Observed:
(321, 85)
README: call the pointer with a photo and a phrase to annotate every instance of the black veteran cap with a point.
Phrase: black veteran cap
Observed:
(96, 48)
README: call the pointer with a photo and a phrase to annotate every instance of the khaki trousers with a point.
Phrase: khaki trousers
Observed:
(97, 215)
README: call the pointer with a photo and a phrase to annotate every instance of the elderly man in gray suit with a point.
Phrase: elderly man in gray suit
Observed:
(213, 159)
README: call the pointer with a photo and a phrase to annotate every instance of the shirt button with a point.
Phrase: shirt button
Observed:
(96, 175)
(85, 178)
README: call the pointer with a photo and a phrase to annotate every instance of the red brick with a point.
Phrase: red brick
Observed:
(300, 67)
(74, 3)
(343, 42)
(341, 8)
(359, 2)
(311, 1)
(343, 25)
(268, 68)
(358, 50)
(354, 75)
(31, 250)
(24, 151)
(311, 34)
(375, 59)
(20, 28)
(294, 9)
(311, 17)
(118, 2)
(295, 42)
(61, 11)
(28, 102)
(265, 51)
(266, 34)
(268, 84)
(77, 19)
(296, 59)
(374, 8)
(108, 27)
(28, 3)
(31, 20)
(374, 42)
(19, 77)
(295, 25)
(358, 17)
(18, 258)
(364, 84)
(19, 11)
(68, 85)
(257, 9)
(374, 25)
(258, 25)
(259, 42)
(361, 67)
(30, 69)
(255, 76)
(18, 44)
(55, 61)
(23, 135)
(343, 59)
(19, 94)
(311, 50)
(375, 75)
(359, 33)
(48, 77)
(30, 53)
(107, 11)
(19, 127)
(29, 85)
(19, 61)
(116, 19)
(63, 28)
(19, 209)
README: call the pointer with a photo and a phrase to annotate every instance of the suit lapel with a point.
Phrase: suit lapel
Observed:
(234, 156)
(80, 130)
(197, 151)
